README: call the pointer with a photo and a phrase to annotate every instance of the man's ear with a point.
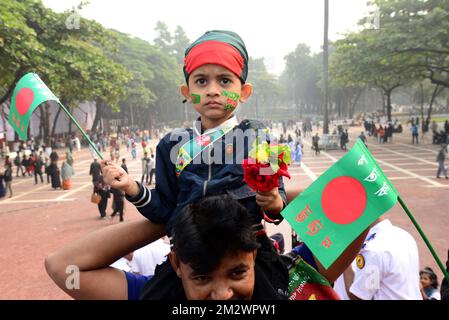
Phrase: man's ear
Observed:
(185, 91)
(247, 91)
(174, 261)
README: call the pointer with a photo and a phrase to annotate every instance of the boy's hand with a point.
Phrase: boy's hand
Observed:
(117, 178)
(270, 201)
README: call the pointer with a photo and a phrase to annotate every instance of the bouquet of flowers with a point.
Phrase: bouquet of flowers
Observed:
(265, 165)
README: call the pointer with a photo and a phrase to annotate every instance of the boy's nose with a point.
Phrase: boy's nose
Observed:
(213, 90)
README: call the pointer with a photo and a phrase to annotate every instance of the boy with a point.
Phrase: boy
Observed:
(190, 163)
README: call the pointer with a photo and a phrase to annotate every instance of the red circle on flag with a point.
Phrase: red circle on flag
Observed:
(343, 200)
(24, 99)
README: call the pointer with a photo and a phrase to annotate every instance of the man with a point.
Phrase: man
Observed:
(387, 267)
(145, 171)
(363, 138)
(95, 171)
(441, 157)
(315, 140)
(152, 167)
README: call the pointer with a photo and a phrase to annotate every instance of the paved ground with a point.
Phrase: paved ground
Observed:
(38, 220)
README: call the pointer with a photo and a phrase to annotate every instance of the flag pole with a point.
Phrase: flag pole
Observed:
(82, 131)
(432, 251)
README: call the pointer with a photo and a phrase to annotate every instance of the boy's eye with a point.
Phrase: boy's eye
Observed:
(201, 81)
(226, 81)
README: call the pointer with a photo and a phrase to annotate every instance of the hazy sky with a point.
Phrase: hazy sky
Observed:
(270, 29)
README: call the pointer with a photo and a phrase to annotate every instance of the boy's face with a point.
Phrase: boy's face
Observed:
(215, 92)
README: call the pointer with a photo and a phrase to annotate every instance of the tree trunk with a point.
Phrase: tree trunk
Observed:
(98, 113)
(55, 121)
(354, 103)
(423, 128)
(436, 93)
(388, 94)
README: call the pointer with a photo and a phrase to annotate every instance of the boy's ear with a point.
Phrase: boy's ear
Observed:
(185, 91)
(247, 91)
(174, 261)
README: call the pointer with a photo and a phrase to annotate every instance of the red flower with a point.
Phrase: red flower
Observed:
(257, 179)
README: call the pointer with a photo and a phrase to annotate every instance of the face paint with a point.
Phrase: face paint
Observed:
(232, 101)
(196, 98)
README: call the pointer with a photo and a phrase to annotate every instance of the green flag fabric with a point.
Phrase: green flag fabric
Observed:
(332, 212)
(28, 94)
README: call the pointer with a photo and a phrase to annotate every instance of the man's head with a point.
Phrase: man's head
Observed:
(214, 250)
(215, 69)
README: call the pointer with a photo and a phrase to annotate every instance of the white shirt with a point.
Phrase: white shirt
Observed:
(151, 164)
(391, 266)
(122, 264)
(147, 258)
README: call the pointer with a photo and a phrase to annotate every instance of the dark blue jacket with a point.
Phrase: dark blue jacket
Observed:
(202, 177)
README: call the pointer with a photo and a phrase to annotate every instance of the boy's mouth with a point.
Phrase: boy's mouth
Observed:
(214, 104)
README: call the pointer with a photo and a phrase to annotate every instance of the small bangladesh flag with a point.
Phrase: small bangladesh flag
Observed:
(29, 93)
(340, 204)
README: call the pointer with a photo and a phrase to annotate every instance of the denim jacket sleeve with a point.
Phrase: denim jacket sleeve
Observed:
(157, 204)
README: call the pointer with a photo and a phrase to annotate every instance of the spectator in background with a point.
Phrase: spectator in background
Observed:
(7, 176)
(124, 263)
(124, 166)
(441, 157)
(66, 175)
(95, 171)
(147, 258)
(152, 168)
(38, 164)
(315, 141)
(103, 190)
(145, 172)
(118, 203)
(18, 163)
(415, 133)
(55, 175)
(363, 138)
(429, 284)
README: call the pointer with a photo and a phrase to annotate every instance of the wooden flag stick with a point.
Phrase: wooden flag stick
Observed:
(82, 131)
(404, 206)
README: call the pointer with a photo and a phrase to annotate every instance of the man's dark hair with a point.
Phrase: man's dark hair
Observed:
(210, 229)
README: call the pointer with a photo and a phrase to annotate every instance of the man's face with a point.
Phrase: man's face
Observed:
(233, 279)
(210, 84)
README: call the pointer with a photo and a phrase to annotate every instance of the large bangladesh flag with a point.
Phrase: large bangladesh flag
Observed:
(29, 93)
(340, 204)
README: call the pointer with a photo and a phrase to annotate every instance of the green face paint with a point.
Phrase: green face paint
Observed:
(196, 98)
(232, 101)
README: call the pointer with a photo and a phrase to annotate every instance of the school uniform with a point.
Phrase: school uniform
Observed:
(387, 267)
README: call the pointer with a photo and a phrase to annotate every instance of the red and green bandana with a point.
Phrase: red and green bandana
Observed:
(224, 48)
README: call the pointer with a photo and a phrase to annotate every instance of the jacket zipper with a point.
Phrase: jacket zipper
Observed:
(210, 172)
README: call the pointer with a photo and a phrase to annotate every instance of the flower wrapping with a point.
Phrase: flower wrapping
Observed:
(265, 165)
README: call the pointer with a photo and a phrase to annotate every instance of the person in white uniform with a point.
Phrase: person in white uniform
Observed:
(387, 267)
(146, 259)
